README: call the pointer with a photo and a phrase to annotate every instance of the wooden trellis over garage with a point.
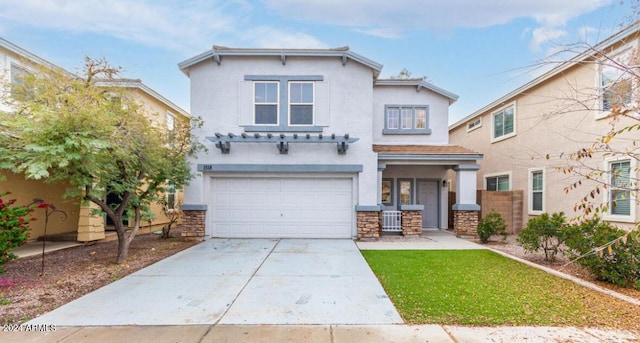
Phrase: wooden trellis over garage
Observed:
(223, 142)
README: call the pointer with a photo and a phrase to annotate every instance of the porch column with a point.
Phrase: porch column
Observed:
(194, 220)
(411, 219)
(381, 167)
(466, 209)
(369, 222)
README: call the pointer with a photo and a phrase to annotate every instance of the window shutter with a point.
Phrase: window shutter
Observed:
(323, 113)
(245, 102)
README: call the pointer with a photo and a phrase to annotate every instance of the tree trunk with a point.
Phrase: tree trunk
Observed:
(123, 243)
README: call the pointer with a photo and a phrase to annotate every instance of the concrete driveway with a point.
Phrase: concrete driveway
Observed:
(241, 281)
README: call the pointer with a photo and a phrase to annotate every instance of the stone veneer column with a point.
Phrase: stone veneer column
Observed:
(194, 221)
(465, 223)
(411, 219)
(368, 222)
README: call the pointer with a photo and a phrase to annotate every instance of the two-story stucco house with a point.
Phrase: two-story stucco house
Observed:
(79, 223)
(312, 143)
(528, 135)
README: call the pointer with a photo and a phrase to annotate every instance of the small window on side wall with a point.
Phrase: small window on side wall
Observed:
(497, 183)
(474, 124)
(536, 198)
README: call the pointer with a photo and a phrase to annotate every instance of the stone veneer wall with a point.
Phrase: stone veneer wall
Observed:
(411, 223)
(368, 223)
(193, 222)
(465, 223)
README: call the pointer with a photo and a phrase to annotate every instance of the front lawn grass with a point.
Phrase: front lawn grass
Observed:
(479, 287)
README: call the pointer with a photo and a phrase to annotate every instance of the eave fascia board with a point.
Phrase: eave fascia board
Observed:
(434, 157)
(138, 84)
(581, 57)
(419, 83)
(33, 58)
(218, 53)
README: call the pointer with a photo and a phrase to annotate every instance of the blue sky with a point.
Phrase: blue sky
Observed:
(478, 49)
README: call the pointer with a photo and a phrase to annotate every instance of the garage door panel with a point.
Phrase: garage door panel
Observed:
(282, 207)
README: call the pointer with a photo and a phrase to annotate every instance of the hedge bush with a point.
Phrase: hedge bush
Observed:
(544, 233)
(14, 229)
(606, 254)
(491, 224)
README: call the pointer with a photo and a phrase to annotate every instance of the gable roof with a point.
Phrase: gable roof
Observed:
(138, 84)
(578, 59)
(30, 56)
(418, 83)
(217, 52)
(127, 83)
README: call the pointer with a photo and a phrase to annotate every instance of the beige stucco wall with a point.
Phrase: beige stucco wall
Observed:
(548, 122)
(26, 190)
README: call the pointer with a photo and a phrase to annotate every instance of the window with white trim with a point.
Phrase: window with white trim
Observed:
(301, 103)
(536, 191)
(504, 123)
(620, 201)
(406, 119)
(474, 124)
(171, 121)
(616, 85)
(497, 183)
(265, 100)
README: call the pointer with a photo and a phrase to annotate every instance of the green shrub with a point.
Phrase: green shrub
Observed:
(618, 263)
(14, 229)
(491, 224)
(544, 233)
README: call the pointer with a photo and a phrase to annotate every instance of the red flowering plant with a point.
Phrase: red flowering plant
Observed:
(14, 227)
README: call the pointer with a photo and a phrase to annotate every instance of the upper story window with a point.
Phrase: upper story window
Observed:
(616, 84)
(504, 125)
(301, 103)
(17, 74)
(406, 119)
(265, 100)
(474, 124)
(284, 103)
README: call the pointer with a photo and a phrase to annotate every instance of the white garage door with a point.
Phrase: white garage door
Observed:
(282, 207)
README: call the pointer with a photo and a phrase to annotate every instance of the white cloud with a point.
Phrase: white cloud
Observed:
(390, 19)
(197, 24)
(544, 35)
(269, 37)
(173, 24)
(431, 14)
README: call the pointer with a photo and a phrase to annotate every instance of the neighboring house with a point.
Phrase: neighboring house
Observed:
(527, 134)
(312, 143)
(80, 224)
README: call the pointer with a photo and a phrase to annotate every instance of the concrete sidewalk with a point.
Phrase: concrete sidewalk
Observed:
(319, 333)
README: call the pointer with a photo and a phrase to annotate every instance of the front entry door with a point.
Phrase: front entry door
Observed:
(428, 196)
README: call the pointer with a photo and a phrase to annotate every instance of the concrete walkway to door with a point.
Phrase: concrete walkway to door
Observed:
(240, 281)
